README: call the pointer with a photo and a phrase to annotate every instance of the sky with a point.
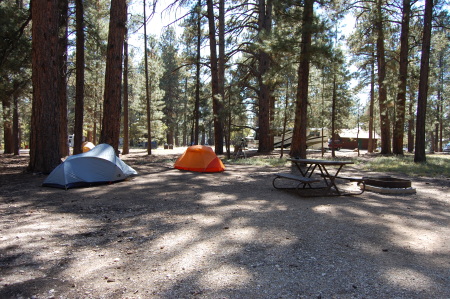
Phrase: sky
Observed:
(164, 17)
(157, 23)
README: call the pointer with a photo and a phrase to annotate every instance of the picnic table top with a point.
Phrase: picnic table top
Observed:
(318, 161)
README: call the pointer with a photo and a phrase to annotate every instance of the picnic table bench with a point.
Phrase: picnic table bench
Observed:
(307, 182)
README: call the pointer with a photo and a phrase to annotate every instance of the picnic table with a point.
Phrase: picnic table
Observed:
(326, 175)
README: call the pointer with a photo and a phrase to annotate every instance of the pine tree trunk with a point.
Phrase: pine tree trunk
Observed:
(411, 124)
(333, 116)
(385, 126)
(285, 120)
(15, 129)
(221, 67)
(216, 97)
(298, 146)
(440, 101)
(44, 137)
(370, 146)
(436, 133)
(125, 148)
(7, 125)
(419, 154)
(197, 77)
(265, 99)
(62, 78)
(147, 88)
(79, 81)
(113, 77)
(402, 78)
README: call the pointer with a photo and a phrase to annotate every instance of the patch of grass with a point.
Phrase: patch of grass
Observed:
(258, 161)
(436, 165)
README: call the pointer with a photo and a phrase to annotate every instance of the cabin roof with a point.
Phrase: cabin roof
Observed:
(353, 133)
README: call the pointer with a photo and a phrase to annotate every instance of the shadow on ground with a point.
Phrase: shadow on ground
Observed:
(173, 234)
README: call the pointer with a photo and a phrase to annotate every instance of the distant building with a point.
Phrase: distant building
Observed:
(351, 139)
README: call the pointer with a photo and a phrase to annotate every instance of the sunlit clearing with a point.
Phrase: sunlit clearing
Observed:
(193, 257)
(245, 234)
(407, 279)
(215, 198)
(421, 241)
(226, 276)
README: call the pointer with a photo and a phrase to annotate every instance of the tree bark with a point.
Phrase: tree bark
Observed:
(44, 139)
(113, 77)
(286, 105)
(15, 129)
(216, 96)
(411, 123)
(221, 68)
(440, 103)
(62, 78)
(400, 104)
(197, 76)
(370, 145)
(298, 146)
(7, 124)
(125, 148)
(333, 115)
(264, 115)
(419, 154)
(436, 134)
(79, 81)
(385, 126)
(147, 88)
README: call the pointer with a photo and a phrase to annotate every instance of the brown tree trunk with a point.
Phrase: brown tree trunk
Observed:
(419, 153)
(432, 148)
(441, 128)
(15, 130)
(285, 120)
(62, 78)
(79, 81)
(221, 69)
(298, 146)
(333, 116)
(7, 125)
(125, 147)
(385, 125)
(370, 146)
(96, 113)
(197, 76)
(113, 77)
(440, 105)
(264, 114)
(147, 88)
(411, 124)
(400, 104)
(44, 137)
(436, 134)
(216, 97)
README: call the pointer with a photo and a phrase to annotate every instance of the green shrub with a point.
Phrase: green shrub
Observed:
(436, 165)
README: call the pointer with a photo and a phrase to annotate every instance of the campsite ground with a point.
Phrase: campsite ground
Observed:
(173, 234)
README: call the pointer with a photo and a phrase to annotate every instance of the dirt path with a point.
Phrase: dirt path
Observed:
(173, 234)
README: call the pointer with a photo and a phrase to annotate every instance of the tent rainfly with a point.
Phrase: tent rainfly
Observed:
(199, 158)
(100, 165)
(87, 146)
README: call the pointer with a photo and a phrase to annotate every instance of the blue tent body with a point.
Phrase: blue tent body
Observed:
(100, 165)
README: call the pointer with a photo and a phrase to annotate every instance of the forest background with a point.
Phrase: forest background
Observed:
(236, 67)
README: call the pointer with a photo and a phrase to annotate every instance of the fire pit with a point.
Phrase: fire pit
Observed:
(388, 185)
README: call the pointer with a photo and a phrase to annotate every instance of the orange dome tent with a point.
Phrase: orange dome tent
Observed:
(199, 158)
(87, 146)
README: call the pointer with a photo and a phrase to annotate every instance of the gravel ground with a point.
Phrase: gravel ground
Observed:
(173, 234)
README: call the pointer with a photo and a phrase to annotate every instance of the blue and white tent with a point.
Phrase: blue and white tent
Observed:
(100, 165)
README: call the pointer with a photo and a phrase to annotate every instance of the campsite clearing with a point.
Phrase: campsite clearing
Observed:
(168, 233)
